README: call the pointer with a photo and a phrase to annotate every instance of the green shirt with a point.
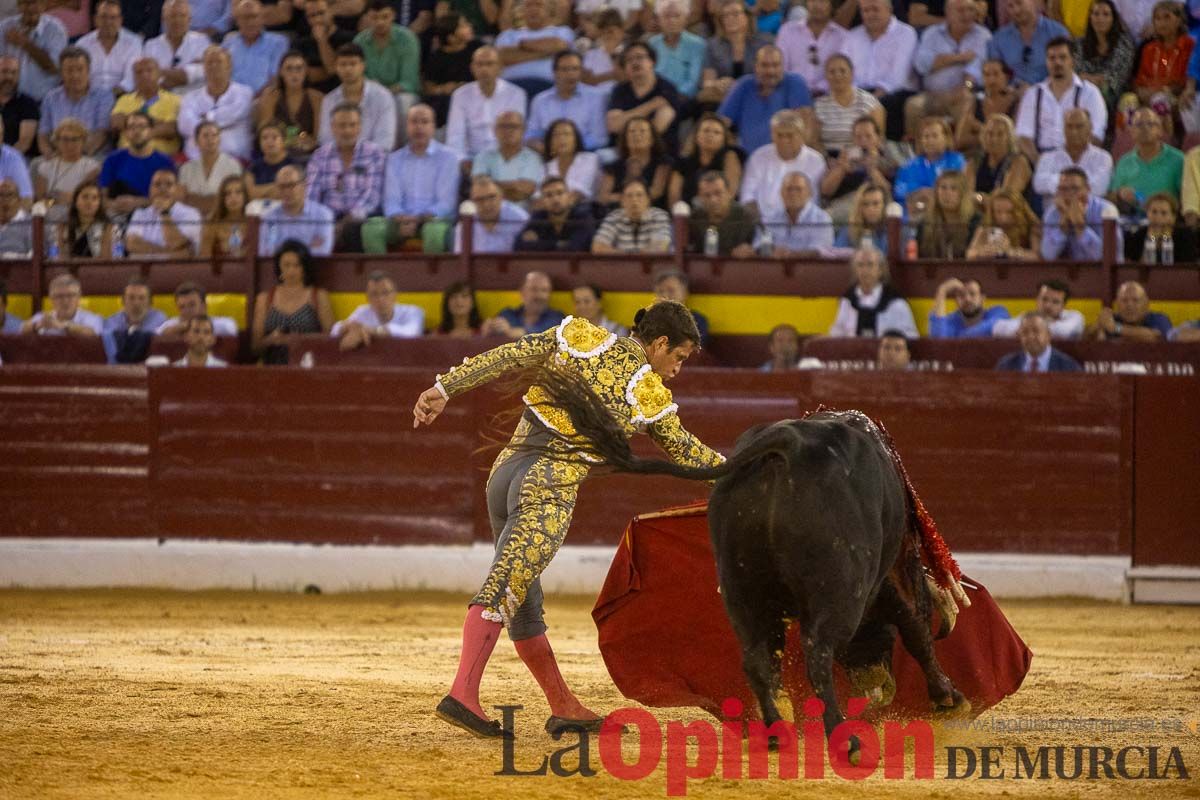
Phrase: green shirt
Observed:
(1164, 173)
(398, 63)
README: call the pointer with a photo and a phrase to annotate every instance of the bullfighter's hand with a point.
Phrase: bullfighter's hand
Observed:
(429, 405)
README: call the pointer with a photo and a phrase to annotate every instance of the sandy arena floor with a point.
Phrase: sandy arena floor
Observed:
(126, 694)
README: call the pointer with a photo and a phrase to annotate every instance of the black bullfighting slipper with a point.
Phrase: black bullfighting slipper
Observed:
(460, 716)
(556, 725)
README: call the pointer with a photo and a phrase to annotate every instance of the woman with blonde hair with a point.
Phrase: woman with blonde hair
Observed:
(868, 219)
(1009, 229)
(949, 224)
(56, 178)
(225, 231)
(1000, 164)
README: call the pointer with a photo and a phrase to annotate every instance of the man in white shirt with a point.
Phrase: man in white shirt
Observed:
(798, 227)
(296, 217)
(1040, 116)
(767, 166)
(111, 47)
(497, 221)
(222, 101)
(65, 318)
(1052, 297)
(380, 316)
(950, 56)
(191, 302)
(179, 51)
(527, 52)
(376, 105)
(807, 45)
(882, 51)
(165, 228)
(470, 125)
(200, 339)
(1077, 151)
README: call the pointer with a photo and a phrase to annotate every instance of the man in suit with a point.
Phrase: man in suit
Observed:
(1036, 354)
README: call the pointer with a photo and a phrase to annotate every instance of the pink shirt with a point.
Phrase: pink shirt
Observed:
(78, 22)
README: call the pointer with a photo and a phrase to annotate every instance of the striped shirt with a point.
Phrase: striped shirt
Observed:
(837, 121)
(650, 234)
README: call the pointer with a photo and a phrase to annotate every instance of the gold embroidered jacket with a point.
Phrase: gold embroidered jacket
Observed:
(617, 370)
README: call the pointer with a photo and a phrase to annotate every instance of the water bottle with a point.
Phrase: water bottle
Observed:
(711, 242)
(307, 360)
(766, 243)
(118, 245)
(1168, 250)
(235, 241)
(52, 247)
(1150, 253)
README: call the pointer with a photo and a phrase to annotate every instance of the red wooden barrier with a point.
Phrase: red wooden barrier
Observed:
(1166, 503)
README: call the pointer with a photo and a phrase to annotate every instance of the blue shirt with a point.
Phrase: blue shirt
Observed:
(682, 64)
(1153, 320)
(526, 165)
(1008, 46)
(421, 184)
(12, 165)
(921, 173)
(49, 35)
(125, 173)
(93, 110)
(953, 326)
(751, 113)
(214, 14)
(11, 324)
(1084, 245)
(516, 317)
(878, 238)
(937, 41)
(119, 321)
(313, 226)
(586, 108)
(254, 64)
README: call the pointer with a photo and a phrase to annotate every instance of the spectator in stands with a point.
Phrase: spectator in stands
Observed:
(635, 226)
(13, 167)
(871, 305)
(256, 52)
(1145, 244)
(448, 66)
(76, 98)
(1052, 297)
(569, 99)
(220, 100)
(715, 209)
(318, 47)
(126, 173)
(894, 354)
(1036, 353)
(515, 168)
(191, 301)
(731, 53)
(798, 228)
(786, 153)
(201, 178)
(1023, 44)
(16, 228)
(673, 285)
(9, 323)
(474, 107)
(783, 343)
(1164, 56)
(971, 320)
(381, 316)
(868, 224)
(882, 50)
(588, 304)
(915, 180)
(808, 45)
(460, 315)
(526, 51)
(420, 190)
(225, 232)
(212, 18)
(1130, 318)
(37, 39)
(497, 221)
(1077, 151)
(200, 338)
(296, 217)
(836, 113)
(1105, 53)
(136, 314)
(711, 146)
(1152, 167)
(865, 162)
(294, 105)
(1009, 229)
(600, 61)
(375, 105)
(643, 95)
(65, 316)
(346, 176)
(179, 51)
(1000, 164)
(680, 53)
(165, 227)
(534, 315)
(566, 159)
(1040, 118)
(949, 224)
(87, 231)
(1071, 226)
(20, 111)
(161, 105)
(110, 46)
(1190, 187)
(274, 156)
(995, 96)
(1187, 332)
(949, 59)
(392, 54)
(561, 225)
(641, 155)
(293, 306)
(755, 99)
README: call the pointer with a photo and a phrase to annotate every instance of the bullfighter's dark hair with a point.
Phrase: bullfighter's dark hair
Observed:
(669, 319)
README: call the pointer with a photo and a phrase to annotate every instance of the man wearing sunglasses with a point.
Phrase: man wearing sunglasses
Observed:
(808, 45)
(1021, 44)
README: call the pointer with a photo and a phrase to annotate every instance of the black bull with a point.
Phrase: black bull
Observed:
(810, 522)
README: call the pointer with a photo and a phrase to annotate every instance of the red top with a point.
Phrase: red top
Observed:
(1163, 67)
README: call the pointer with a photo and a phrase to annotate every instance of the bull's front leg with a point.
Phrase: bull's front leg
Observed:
(918, 641)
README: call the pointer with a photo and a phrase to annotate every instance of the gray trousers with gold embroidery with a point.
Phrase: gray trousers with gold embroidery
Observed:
(530, 499)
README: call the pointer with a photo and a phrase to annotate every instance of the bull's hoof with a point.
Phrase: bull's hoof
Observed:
(854, 754)
(961, 707)
(874, 683)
